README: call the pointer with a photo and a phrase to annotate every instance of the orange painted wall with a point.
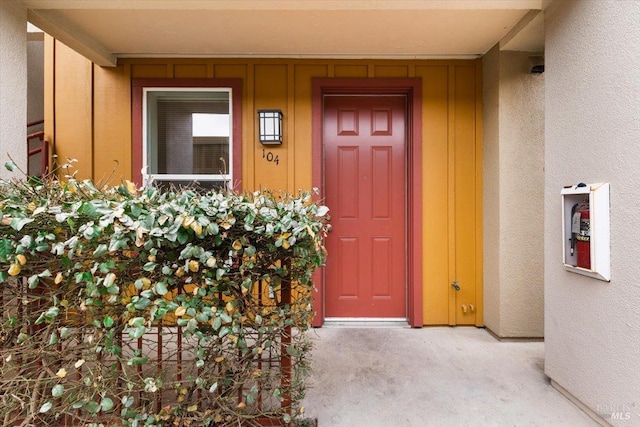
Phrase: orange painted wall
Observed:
(88, 111)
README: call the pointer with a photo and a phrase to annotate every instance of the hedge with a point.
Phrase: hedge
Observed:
(127, 306)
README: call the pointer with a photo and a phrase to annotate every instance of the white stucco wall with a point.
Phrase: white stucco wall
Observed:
(592, 118)
(13, 84)
(513, 155)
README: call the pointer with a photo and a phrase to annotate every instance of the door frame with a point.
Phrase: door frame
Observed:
(412, 89)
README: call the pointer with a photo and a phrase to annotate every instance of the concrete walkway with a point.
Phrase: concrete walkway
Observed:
(397, 377)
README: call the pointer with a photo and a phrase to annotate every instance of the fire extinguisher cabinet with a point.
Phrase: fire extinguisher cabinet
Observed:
(586, 230)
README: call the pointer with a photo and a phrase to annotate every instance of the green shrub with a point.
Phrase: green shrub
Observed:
(141, 307)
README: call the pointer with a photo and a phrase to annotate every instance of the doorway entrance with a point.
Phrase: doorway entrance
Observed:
(365, 187)
(366, 161)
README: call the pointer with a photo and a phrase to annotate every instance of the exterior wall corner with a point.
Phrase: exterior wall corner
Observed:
(592, 327)
(513, 191)
(13, 85)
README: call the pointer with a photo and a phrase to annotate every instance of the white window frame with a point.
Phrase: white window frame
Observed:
(147, 177)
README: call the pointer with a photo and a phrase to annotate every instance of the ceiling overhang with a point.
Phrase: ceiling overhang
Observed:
(105, 30)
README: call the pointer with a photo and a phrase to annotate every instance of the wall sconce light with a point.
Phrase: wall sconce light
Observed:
(537, 63)
(270, 127)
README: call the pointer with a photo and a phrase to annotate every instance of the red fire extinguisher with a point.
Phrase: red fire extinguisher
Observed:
(583, 238)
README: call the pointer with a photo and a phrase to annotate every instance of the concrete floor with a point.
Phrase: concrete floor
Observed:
(397, 377)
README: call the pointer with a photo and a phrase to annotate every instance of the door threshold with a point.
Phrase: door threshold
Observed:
(365, 322)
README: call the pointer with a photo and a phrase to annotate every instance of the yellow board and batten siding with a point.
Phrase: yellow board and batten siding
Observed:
(88, 112)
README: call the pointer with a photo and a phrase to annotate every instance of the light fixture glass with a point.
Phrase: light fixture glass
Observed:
(270, 127)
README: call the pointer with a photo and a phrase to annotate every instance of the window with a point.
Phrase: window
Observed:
(187, 135)
(187, 132)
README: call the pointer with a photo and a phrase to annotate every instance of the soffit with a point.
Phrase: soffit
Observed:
(105, 30)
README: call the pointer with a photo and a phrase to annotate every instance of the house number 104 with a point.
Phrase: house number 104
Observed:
(270, 157)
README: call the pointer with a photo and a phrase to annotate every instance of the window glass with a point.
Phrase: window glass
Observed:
(187, 137)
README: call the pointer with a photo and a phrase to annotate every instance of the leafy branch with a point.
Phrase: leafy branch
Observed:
(147, 307)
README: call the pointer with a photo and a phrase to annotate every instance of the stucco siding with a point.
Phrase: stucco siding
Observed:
(521, 190)
(592, 328)
(13, 85)
(513, 195)
(491, 188)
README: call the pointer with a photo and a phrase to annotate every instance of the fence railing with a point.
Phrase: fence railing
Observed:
(137, 306)
(172, 356)
(37, 151)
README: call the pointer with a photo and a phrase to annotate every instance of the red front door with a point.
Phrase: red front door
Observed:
(365, 185)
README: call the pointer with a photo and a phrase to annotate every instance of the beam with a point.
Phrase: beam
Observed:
(287, 4)
(77, 40)
(521, 25)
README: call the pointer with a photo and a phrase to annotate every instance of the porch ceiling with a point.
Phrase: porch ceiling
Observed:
(104, 30)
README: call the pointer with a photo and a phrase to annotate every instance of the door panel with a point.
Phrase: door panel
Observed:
(365, 184)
